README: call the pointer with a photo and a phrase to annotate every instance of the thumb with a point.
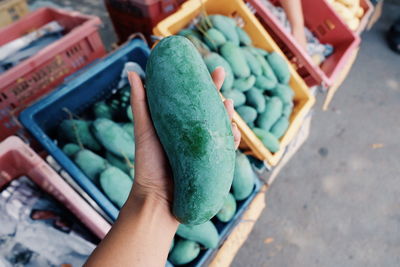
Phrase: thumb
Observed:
(140, 110)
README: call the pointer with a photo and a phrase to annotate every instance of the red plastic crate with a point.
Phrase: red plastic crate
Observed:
(322, 20)
(130, 16)
(36, 76)
(145, 8)
(17, 159)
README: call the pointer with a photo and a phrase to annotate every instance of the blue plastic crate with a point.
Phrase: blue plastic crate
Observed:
(90, 86)
(224, 229)
(77, 95)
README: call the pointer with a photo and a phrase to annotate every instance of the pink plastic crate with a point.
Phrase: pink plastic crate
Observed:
(38, 75)
(17, 159)
(322, 20)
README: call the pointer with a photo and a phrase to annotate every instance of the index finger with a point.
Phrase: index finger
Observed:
(140, 109)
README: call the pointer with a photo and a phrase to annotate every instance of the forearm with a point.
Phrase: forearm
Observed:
(141, 236)
(294, 13)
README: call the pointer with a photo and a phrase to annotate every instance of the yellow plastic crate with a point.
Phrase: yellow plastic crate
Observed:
(12, 10)
(303, 100)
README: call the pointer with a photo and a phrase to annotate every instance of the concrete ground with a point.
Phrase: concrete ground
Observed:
(337, 202)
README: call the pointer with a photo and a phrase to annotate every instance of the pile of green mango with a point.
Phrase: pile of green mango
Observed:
(189, 239)
(103, 149)
(256, 80)
(102, 145)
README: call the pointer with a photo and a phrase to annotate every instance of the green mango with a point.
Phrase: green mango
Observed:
(279, 66)
(254, 64)
(238, 97)
(248, 114)
(287, 109)
(228, 209)
(227, 26)
(280, 127)
(115, 161)
(243, 179)
(284, 92)
(268, 139)
(70, 149)
(190, 32)
(272, 112)
(116, 185)
(77, 131)
(114, 138)
(184, 252)
(244, 38)
(130, 129)
(193, 127)
(213, 60)
(244, 84)
(214, 38)
(205, 233)
(235, 57)
(102, 110)
(90, 163)
(255, 99)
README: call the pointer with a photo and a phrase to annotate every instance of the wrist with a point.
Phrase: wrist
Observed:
(141, 235)
(149, 203)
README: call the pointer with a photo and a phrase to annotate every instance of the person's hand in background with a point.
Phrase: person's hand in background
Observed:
(300, 36)
(143, 232)
(294, 13)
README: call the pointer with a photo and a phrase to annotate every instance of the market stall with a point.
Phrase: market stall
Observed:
(71, 102)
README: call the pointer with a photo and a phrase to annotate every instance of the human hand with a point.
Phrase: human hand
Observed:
(300, 36)
(153, 176)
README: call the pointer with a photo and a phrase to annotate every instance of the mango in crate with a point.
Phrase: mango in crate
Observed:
(206, 233)
(184, 251)
(227, 26)
(236, 59)
(90, 163)
(238, 97)
(78, 132)
(214, 60)
(268, 139)
(254, 65)
(70, 149)
(255, 99)
(280, 127)
(243, 179)
(244, 84)
(228, 210)
(116, 185)
(256, 80)
(214, 38)
(114, 138)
